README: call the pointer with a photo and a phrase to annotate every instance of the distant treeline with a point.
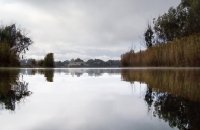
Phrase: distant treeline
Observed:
(48, 62)
(172, 41)
(72, 63)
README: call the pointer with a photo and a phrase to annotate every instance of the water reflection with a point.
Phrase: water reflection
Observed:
(12, 89)
(93, 99)
(172, 95)
(49, 73)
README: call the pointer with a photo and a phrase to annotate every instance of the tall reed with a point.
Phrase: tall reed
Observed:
(180, 52)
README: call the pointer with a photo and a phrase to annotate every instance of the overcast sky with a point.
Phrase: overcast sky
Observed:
(82, 28)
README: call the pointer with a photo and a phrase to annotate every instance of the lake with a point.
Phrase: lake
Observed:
(100, 99)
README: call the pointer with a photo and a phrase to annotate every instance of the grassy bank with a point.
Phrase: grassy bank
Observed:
(181, 52)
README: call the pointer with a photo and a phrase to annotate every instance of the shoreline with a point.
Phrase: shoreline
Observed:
(102, 68)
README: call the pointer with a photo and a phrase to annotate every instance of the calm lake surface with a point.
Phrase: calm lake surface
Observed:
(99, 99)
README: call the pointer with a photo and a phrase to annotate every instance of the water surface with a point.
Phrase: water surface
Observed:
(100, 99)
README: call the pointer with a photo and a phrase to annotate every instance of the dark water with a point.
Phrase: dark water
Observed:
(100, 99)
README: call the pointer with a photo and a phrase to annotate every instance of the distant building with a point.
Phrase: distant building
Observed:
(76, 63)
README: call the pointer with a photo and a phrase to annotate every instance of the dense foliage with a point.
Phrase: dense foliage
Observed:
(178, 22)
(148, 35)
(49, 60)
(13, 44)
(173, 40)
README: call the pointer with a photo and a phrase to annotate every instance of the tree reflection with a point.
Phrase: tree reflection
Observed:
(78, 72)
(48, 73)
(178, 112)
(12, 89)
(149, 98)
(172, 95)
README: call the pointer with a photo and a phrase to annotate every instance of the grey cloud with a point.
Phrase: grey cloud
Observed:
(85, 25)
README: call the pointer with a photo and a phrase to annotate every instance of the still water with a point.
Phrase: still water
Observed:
(99, 99)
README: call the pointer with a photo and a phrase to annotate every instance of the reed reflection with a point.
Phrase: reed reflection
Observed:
(171, 95)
